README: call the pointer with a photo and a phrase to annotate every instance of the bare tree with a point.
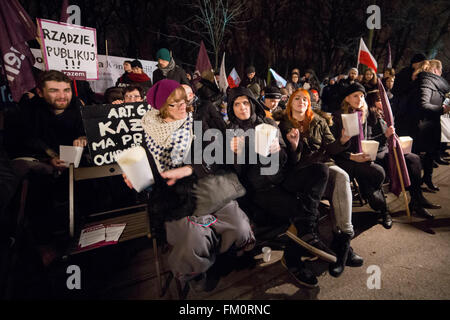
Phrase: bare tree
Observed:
(215, 17)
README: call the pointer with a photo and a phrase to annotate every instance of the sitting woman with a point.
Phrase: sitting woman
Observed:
(369, 175)
(195, 240)
(316, 144)
(379, 131)
(286, 194)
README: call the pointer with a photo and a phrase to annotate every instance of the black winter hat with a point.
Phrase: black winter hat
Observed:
(418, 57)
(272, 92)
(250, 69)
(355, 86)
(136, 63)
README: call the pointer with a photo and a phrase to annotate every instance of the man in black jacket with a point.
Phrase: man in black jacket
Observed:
(168, 69)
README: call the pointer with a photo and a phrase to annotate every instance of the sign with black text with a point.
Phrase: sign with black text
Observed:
(112, 128)
(70, 49)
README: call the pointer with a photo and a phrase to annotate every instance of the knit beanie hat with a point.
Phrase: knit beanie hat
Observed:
(158, 94)
(163, 54)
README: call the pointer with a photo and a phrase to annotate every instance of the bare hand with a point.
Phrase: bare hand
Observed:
(128, 182)
(293, 137)
(360, 157)
(344, 137)
(117, 102)
(80, 142)
(175, 174)
(237, 144)
(58, 164)
(389, 131)
(275, 146)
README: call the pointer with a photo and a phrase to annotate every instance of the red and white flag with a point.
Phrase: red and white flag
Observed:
(365, 57)
(233, 79)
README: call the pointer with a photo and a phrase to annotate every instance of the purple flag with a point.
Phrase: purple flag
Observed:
(16, 28)
(203, 62)
(64, 15)
(394, 144)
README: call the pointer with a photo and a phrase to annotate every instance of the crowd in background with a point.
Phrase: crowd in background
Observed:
(315, 154)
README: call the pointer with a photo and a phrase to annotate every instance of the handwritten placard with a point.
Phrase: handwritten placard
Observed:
(70, 49)
(112, 128)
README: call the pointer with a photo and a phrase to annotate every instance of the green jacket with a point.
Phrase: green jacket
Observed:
(316, 146)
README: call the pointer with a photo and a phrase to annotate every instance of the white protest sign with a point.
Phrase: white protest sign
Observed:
(110, 68)
(70, 49)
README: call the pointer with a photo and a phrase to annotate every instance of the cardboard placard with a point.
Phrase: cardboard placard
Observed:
(112, 128)
(70, 49)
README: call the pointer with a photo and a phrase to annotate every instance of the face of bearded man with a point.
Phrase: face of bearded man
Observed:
(57, 94)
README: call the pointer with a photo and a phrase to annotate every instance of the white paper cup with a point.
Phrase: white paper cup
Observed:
(370, 147)
(267, 252)
(350, 124)
(264, 136)
(71, 154)
(406, 144)
(135, 166)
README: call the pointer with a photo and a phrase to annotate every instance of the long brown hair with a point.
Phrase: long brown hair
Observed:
(309, 114)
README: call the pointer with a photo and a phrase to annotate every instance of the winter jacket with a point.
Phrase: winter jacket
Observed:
(431, 90)
(177, 74)
(316, 145)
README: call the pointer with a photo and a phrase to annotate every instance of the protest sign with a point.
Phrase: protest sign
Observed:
(110, 68)
(70, 49)
(112, 128)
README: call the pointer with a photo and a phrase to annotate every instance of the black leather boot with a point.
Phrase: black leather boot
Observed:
(427, 204)
(427, 180)
(340, 245)
(354, 260)
(415, 206)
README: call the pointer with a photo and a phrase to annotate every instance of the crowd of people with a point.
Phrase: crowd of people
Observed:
(316, 157)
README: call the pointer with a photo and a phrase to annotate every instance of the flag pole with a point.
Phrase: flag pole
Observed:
(401, 183)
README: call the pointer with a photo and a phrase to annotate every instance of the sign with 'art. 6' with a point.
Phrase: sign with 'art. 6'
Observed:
(70, 49)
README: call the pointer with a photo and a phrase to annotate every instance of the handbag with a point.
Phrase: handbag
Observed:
(214, 191)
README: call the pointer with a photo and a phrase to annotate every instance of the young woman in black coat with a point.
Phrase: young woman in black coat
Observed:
(430, 95)
(287, 194)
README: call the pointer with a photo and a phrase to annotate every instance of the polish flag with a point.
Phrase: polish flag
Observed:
(365, 57)
(233, 79)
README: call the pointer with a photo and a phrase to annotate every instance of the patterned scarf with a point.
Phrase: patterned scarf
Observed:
(166, 70)
(168, 142)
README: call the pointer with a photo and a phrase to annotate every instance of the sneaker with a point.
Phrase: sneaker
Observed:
(311, 242)
(301, 274)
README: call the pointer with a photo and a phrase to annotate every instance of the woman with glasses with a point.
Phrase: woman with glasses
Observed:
(169, 140)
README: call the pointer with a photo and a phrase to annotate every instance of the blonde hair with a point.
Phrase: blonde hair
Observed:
(435, 64)
(176, 96)
(345, 107)
(423, 66)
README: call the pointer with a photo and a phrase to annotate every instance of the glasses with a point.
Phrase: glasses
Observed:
(178, 105)
(129, 96)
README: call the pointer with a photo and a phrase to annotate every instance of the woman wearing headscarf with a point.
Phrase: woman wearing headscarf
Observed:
(169, 134)
(287, 194)
(317, 144)
(378, 130)
(369, 175)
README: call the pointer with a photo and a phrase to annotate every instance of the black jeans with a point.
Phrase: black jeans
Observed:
(297, 198)
(414, 167)
(370, 177)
